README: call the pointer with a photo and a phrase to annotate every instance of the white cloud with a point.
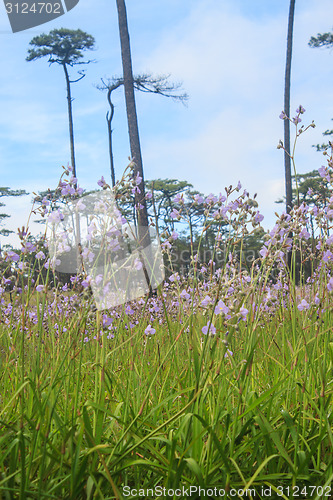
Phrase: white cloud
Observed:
(233, 69)
(231, 59)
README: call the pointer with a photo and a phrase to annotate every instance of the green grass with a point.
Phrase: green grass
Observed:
(82, 420)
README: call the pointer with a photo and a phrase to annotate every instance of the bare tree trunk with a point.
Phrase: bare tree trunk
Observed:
(109, 117)
(79, 260)
(70, 119)
(287, 161)
(132, 121)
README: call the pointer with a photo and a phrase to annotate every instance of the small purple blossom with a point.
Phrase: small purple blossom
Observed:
(330, 285)
(101, 182)
(300, 110)
(206, 301)
(137, 264)
(198, 199)
(244, 312)
(12, 256)
(175, 214)
(221, 308)
(303, 305)
(258, 218)
(264, 251)
(296, 120)
(150, 330)
(138, 179)
(304, 234)
(209, 328)
(324, 173)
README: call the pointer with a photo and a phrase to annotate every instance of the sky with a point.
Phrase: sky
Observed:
(229, 56)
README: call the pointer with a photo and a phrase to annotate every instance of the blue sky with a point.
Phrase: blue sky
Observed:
(230, 56)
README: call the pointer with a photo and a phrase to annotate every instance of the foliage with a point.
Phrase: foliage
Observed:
(62, 46)
(6, 191)
(223, 380)
(322, 40)
(312, 190)
(148, 83)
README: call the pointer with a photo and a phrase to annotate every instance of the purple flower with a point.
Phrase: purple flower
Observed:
(330, 285)
(98, 279)
(28, 247)
(211, 327)
(327, 256)
(206, 301)
(150, 330)
(185, 295)
(85, 283)
(40, 288)
(264, 251)
(178, 198)
(296, 120)
(258, 217)
(303, 305)
(129, 311)
(137, 264)
(101, 182)
(323, 173)
(88, 254)
(221, 308)
(67, 190)
(166, 245)
(228, 354)
(40, 255)
(244, 312)
(211, 199)
(175, 214)
(12, 256)
(55, 216)
(305, 234)
(198, 199)
(106, 320)
(138, 179)
(283, 115)
(300, 110)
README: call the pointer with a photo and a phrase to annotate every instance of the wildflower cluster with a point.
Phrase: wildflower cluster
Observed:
(224, 296)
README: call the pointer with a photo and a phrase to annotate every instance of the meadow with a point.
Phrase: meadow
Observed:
(217, 386)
